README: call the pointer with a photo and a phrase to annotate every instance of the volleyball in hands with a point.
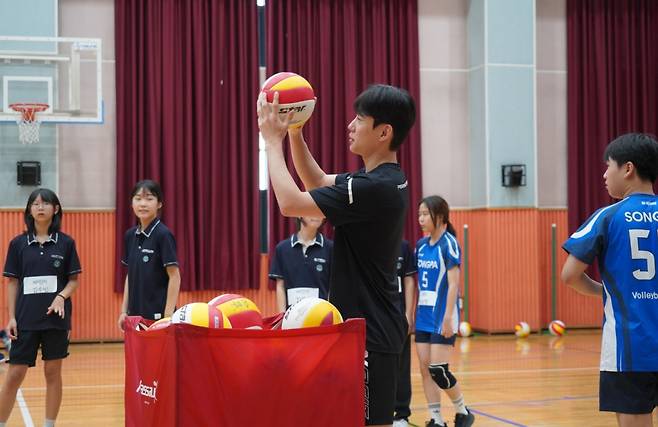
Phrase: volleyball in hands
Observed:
(295, 95)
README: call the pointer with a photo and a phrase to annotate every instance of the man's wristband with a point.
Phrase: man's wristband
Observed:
(61, 296)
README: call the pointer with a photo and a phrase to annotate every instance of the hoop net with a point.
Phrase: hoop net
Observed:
(28, 122)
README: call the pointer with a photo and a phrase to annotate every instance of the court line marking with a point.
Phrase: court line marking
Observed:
(414, 374)
(25, 412)
(502, 420)
(519, 371)
(528, 371)
(78, 387)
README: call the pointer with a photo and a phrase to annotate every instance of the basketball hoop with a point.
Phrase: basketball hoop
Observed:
(28, 122)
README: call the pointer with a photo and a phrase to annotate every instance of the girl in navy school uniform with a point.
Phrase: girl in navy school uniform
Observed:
(437, 315)
(153, 280)
(42, 266)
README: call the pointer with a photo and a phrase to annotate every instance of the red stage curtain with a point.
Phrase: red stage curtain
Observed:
(612, 69)
(187, 80)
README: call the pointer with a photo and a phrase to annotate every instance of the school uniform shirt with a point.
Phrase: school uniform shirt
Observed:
(434, 261)
(624, 238)
(406, 266)
(304, 274)
(368, 211)
(42, 270)
(147, 254)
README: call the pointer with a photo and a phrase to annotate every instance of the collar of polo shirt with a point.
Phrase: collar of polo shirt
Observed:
(31, 238)
(319, 240)
(149, 229)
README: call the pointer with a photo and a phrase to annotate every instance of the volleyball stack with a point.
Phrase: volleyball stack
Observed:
(201, 314)
(295, 95)
(311, 312)
(241, 312)
(160, 324)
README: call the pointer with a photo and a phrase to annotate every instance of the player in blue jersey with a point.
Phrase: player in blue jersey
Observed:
(437, 314)
(624, 238)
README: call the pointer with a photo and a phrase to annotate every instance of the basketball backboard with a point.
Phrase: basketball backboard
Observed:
(63, 72)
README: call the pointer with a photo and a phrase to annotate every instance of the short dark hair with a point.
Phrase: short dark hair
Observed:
(641, 149)
(438, 207)
(149, 185)
(390, 105)
(48, 196)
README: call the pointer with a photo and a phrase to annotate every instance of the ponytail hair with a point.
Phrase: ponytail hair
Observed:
(439, 209)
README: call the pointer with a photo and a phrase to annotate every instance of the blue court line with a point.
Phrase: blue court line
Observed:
(534, 402)
(502, 420)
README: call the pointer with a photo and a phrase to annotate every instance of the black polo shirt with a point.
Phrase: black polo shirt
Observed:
(303, 274)
(42, 270)
(368, 211)
(406, 266)
(147, 254)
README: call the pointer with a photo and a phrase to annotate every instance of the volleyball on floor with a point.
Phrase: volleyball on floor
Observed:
(160, 324)
(201, 314)
(240, 311)
(522, 329)
(295, 95)
(311, 312)
(465, 329)
(557, 328)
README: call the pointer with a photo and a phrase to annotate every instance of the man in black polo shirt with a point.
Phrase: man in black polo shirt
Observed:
(301, 264)
(367, 208)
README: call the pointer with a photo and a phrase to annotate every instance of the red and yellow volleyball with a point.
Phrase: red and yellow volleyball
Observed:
(295, 95)
(522, 329)
(311, 312)
(201, 314)
(465, 329)
(160, 324)
(557, 328)
(240, 311)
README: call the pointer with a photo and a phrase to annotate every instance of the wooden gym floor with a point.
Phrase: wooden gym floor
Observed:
(538, 381)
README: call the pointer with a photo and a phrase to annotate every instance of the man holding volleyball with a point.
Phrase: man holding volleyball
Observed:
(367, 208)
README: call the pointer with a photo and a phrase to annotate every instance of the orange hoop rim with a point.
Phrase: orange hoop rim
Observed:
(28, 109)
(22, 107)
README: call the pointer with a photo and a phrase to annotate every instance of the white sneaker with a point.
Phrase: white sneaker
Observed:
(400, 423)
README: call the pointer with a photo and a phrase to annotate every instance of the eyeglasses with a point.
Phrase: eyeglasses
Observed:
(41, 204)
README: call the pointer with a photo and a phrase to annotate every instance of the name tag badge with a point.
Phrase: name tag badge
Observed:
(297, 294)
(39, 285)
(427, 298)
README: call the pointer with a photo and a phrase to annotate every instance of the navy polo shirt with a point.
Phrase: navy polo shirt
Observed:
(303, 273)
(42, 270)
(406, 266)
(147, 254)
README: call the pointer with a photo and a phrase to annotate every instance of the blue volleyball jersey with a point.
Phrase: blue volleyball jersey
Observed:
(624, 238)
(433, 262)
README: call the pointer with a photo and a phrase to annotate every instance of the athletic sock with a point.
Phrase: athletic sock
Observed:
(460, 407)
(47, 423)
(435, 413)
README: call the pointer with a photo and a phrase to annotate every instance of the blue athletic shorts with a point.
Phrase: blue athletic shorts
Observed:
(432, 338)
(628, 392)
